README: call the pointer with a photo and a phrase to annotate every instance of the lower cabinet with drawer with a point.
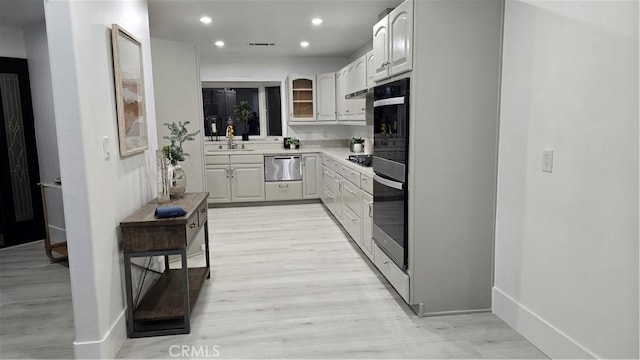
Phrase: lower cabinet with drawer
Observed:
(397, 278)
(235, 178)
(283, 190)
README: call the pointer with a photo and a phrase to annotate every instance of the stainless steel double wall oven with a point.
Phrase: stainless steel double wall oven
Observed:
(390, 155)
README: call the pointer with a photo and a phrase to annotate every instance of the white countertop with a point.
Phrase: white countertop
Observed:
(339, 154)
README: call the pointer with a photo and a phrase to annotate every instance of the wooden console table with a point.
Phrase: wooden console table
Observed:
(166, 307)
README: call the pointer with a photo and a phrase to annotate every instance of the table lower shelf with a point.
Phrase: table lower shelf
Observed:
(164, 301)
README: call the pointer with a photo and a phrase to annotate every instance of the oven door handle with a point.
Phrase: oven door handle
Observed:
(390, 101)
(386, 182)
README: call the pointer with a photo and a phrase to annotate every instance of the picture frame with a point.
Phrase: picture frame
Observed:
(128, 73)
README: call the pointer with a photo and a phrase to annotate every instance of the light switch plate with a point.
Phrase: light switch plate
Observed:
(106, 151)
(547, 160)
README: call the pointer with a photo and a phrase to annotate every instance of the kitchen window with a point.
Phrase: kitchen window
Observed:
(264, 99)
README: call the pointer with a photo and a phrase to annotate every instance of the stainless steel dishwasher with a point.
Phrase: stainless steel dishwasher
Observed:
(282, 168)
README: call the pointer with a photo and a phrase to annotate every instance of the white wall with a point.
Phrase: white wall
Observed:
(12, 42)
(277, 69)
(178, 92)
(566, 266)
(97, 193)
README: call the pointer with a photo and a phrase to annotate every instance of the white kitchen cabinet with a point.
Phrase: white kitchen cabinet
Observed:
(393, 42)
(331, 191)
(283, 190)
(357, 109)
(352, 210)
(367, 224)
(357, 75)
(370, 69)
(341, 91)
(235, 178)
(247, 182)
(302, 105)
(326, 97)
(218, 184)
(311, 180)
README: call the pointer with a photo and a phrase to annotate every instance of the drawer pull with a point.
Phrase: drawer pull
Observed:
(385, 262)
(349, 190)
(203, 210)
(283, 185)
(192, 225)
(349, 216)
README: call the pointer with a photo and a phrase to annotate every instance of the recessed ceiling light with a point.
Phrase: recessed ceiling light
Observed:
(316, 21)
(205, 20)
(219, 43)
(304, 44)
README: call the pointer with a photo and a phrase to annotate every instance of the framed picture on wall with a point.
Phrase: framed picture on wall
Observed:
(129, 83)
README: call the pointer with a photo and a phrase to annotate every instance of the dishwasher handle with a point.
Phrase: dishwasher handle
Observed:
(286, 157)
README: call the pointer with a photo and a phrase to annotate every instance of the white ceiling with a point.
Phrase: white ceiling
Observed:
(21, 13)
(347, 24)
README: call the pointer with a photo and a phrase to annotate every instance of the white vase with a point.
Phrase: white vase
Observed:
(177, 180)
(357, 148)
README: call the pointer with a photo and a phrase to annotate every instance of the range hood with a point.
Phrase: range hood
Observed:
(360, 94)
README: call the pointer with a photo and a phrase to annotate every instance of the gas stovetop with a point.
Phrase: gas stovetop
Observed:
(362, 160)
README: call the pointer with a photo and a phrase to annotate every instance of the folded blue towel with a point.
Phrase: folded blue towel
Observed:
(169, 211)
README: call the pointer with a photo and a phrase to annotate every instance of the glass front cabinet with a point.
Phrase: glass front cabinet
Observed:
(302, 105)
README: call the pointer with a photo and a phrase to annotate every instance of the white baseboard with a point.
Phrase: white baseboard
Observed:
(107, 347)
(550, 340)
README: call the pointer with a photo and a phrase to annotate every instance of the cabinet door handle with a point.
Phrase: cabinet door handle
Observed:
(233, 171)
(371, 209)
(226, 172)
(192, 225)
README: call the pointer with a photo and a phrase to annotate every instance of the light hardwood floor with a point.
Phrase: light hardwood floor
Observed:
(36, 320)
(286, 283)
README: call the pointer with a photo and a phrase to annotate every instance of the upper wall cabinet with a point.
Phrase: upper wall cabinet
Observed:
(302, 105)
(393, 42)
(370, 70)
(357, 75)
(326, 97)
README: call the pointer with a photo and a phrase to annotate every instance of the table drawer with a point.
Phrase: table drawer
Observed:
(202, 213)
(192, 227)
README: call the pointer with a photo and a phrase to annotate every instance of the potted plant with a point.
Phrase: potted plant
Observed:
(243, 113)
(355, 140)
(293, 143)
(174, 153)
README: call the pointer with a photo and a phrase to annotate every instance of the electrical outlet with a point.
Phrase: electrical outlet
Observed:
(547, 160)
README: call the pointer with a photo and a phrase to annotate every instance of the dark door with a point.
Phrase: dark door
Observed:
(21, 218)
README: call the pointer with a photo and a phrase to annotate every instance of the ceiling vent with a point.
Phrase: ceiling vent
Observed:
(261, 44)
